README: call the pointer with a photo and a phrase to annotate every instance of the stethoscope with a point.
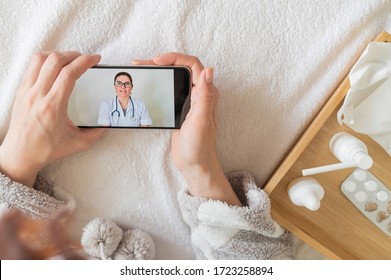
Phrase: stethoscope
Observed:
(118, 113)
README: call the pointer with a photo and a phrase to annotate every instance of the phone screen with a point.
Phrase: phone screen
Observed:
(131, 97)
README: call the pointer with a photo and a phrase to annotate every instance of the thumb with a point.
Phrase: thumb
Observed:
(205, 98)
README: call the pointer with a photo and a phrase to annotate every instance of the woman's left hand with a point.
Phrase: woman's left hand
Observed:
(40, 131)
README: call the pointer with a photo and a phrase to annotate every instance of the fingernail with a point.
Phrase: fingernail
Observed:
(209, 75)
(96, 55)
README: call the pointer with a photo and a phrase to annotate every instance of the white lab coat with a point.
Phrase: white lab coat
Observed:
(111, 113)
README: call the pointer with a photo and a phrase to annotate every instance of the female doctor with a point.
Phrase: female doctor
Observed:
(123, 110)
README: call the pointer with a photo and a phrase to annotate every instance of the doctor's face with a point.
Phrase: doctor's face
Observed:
(123, 86)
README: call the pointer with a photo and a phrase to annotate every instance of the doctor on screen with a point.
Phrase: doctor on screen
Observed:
(123, 109)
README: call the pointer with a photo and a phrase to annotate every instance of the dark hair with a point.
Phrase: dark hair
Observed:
(123, 74)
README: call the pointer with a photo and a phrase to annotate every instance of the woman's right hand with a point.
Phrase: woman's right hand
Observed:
(194, 145)
(40, 131)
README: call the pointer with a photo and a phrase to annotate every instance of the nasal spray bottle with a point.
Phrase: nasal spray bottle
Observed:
(351, 152)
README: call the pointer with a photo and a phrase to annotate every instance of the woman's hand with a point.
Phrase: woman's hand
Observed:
(40, 131)
(194, 145)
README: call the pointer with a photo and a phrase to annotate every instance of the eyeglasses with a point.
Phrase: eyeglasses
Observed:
(120, 84)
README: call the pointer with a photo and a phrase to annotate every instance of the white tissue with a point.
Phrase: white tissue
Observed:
(366, 108)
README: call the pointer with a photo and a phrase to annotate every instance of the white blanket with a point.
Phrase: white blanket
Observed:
(276, 63)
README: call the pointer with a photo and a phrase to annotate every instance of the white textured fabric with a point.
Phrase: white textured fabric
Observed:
(276, 63)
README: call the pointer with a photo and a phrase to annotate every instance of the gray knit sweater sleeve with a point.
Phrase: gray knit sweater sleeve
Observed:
(220, 231)
(38, 202)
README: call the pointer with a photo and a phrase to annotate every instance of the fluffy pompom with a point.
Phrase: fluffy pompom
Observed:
(135, 245)
(101, 238)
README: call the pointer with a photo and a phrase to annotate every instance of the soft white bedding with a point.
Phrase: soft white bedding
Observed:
(276, 63)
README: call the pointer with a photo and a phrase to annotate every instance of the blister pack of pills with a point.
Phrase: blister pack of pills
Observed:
(370, 196)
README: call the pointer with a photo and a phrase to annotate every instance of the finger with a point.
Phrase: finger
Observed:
(35, 65)
(205, 99)
(173, 58)
(215, 105)
(51, 68)
(193, 97)
(63, 85)
(142, 62)
(209, 77)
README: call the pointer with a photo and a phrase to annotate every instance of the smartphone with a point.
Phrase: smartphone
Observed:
(131, 97)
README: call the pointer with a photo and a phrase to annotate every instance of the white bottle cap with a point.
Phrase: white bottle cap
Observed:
(364, 161)
(311, 201)
(307, 192)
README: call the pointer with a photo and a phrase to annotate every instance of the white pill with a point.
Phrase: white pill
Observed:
(360, 175)
(360, 196)
(382, 196)
(350, 186)
(371, 185)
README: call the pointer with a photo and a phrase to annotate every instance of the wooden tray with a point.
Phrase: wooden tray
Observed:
(337, 229)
